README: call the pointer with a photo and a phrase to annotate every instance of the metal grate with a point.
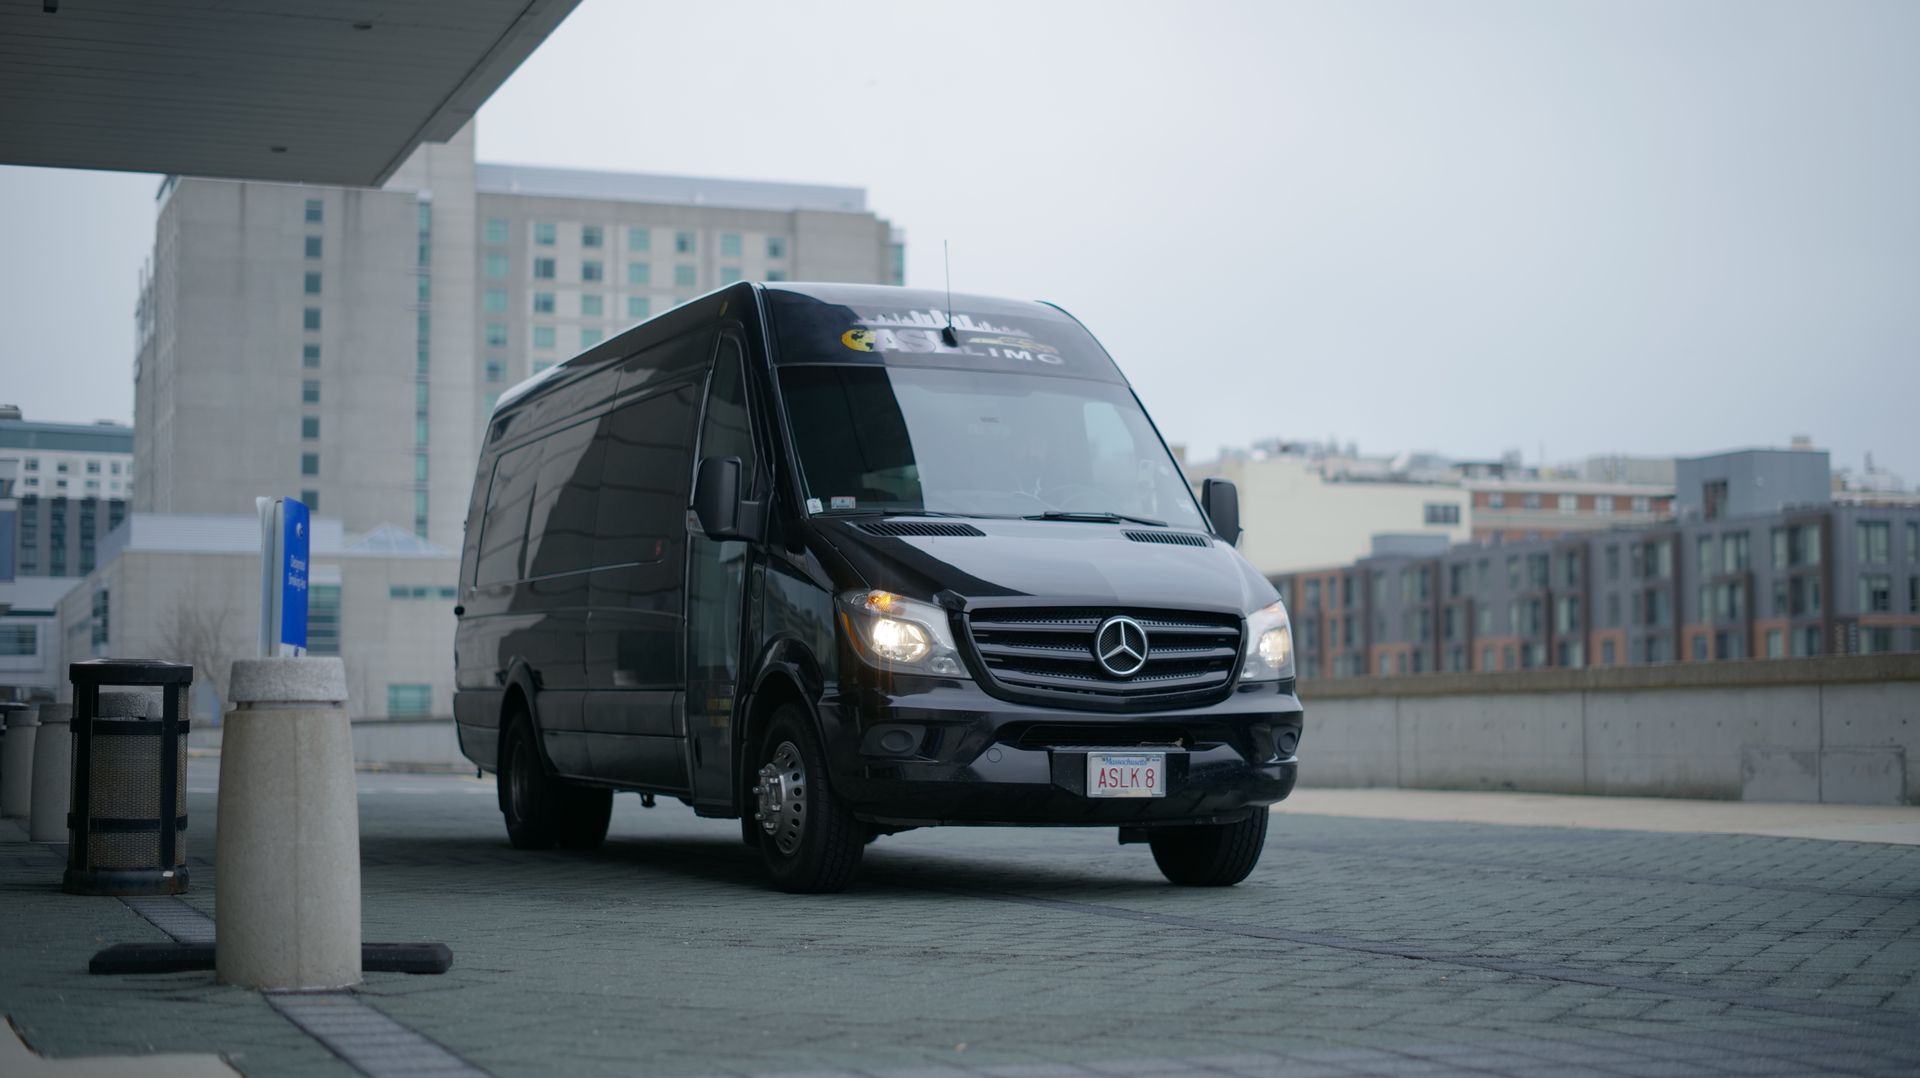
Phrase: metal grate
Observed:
(1048, 653)
(1169, 538)
(920, 528)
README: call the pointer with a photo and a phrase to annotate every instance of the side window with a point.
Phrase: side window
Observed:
(645, 473)
(504, 531)
(565, 502)
(726, 430)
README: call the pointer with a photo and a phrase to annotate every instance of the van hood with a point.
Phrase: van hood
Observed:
(1070, 563)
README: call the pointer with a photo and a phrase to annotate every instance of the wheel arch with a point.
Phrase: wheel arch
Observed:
(786, 673)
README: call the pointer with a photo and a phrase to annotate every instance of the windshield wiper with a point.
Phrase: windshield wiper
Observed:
(1095, 516)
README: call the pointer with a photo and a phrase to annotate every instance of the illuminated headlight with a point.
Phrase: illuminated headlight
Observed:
(895, 633)
(1269, 645)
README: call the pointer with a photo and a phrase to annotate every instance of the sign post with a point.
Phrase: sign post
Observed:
(285, 539)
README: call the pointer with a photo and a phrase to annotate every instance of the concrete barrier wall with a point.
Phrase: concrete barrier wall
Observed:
(1843, 729)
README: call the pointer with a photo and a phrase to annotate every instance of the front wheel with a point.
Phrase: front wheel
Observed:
(1210, 855)
(810, 842)
(541, 809)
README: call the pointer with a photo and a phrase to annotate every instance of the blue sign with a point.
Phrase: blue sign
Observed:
(296, 533)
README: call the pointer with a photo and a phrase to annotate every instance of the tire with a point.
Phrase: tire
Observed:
(1210, 855)
(529, 797)
(810, 842)
(585, 811)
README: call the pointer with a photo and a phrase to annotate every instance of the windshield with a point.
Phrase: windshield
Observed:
(897, 439)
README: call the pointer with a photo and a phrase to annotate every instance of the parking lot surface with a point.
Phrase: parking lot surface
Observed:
(1359, 946)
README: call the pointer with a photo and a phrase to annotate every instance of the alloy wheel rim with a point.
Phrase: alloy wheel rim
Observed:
(780, 796)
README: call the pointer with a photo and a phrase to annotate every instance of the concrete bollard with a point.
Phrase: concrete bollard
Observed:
(16, 763)
(52, 774)
(287, 889)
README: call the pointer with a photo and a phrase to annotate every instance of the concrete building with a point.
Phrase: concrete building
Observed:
(64, 460)
(1543, 508)
(1788, 579)
(1300, 510)
(344, 345)
(185, 588)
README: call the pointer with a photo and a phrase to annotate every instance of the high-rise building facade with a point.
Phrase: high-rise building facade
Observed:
(344, 345)
(63, 487)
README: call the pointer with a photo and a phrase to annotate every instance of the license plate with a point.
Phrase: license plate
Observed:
(1126, 774)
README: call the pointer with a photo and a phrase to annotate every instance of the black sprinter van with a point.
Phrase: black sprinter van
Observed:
(844, 560)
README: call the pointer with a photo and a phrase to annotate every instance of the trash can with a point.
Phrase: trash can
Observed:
(127, 824)
(8, 709)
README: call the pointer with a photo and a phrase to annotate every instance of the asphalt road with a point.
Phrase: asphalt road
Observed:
(1359, 946)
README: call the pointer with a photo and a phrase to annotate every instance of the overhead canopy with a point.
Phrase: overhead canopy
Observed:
(314, 91)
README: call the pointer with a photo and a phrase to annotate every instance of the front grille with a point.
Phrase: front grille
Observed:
(1047, 653)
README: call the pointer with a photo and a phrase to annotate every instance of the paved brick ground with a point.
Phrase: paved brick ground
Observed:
(1359, 947)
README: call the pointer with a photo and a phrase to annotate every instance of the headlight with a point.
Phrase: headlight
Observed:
(895, 633)
(1269, 645)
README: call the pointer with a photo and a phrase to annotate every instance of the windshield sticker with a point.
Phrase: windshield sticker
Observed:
(919, 332)
(844, 501)
(813, 505)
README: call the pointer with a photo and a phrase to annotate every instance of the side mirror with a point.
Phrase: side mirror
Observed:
(717, 503)
(1221, 501)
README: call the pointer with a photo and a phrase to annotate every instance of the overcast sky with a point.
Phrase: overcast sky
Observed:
(1452, 225)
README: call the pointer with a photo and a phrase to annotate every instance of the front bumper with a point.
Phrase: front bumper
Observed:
(945, 752)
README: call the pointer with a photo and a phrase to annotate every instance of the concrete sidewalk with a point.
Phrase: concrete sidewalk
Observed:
(1893, 824)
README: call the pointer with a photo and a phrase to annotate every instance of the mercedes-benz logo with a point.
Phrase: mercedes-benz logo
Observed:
(1120, 646)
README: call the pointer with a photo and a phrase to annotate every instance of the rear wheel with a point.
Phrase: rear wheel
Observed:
(809, 841)
(1210, 855)
(540, 809)
(527, 795)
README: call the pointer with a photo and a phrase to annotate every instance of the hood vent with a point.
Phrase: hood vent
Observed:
(1169, 538)
(919, 528)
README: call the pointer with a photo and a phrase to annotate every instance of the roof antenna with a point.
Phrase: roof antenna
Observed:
(948, 335)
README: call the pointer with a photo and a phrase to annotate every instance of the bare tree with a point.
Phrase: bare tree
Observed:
(202, 635)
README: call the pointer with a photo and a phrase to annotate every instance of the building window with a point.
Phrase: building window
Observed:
(683, 243)
(1442, 513)
(496, 230)
(316, 210)
(729, 274)
(1733, 553)
(639, 239)
(496, 334)
(729, 245)
(309, 355)
(310, 391)
(313, 247)
(19, 641)
(1569, 503)
(591, 337)
(409, 701)
(1603, 503)
(543, 336)
(1531, 501)
(592, 305)
(309, 427)
(591, 236)
(543, 269)
(592, 270)
(1875, 540)
(496, 370)
(497, 265)
(310, 318)
(637, 307)
(309, 464)
(639, 273)
(543, 233)
(313, 283)
(1642, 505)
(543, 303)
(776, 275)
(683, 276)
(323, 618)
(776, 247)
(1496, 500)
(496, 301)
(1876, 594)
